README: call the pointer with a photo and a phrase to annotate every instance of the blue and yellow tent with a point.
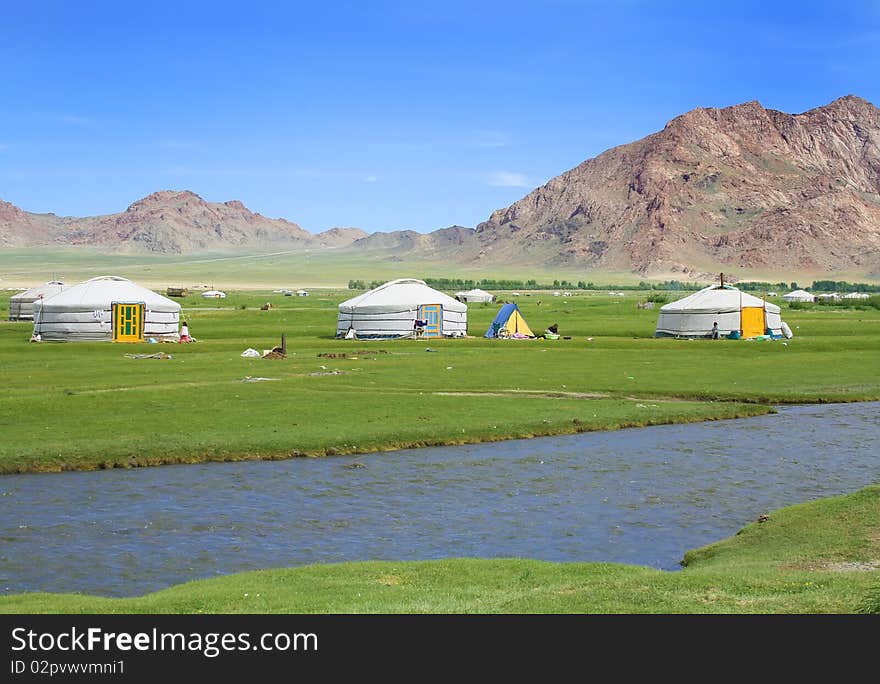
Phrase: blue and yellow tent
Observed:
(509, 323)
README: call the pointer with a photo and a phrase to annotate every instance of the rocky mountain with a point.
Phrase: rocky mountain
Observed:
(408, 241)
(166, 222)
(742, 186)
(22, 229)
(340, 237)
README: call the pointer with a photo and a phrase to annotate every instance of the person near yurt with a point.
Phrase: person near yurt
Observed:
(21, 305)
(391, 310)
(106, 308)
(737, 313)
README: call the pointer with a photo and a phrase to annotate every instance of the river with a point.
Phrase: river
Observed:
(642, 496)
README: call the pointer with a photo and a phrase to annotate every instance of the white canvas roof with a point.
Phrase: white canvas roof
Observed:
(798, 296)
(20, 304)
(475, 295)
(45, 290)
(398, 295)
(98, 293)
(716, 299)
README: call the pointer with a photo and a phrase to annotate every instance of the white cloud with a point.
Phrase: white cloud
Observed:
(508, 179)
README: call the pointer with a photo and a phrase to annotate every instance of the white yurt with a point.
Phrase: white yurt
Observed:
(856, 295)
(799, 296)
(391, 310)
(20, 305)
(106, 308)
(476, 295)
(214, 294)
(730, 307)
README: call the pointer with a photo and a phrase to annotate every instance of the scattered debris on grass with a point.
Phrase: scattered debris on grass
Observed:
(353, 354)
(333, 372)
(248, 378)
(159, 355)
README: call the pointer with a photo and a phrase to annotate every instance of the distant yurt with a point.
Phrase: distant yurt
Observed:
(509, 324)
(476, 296)
(733, 310)
(106, 308)
(20, 305)
(799, 296)
(391, 311)
(214, 294)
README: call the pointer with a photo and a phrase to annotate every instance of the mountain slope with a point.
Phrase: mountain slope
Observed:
(743, 186)
(168, 221)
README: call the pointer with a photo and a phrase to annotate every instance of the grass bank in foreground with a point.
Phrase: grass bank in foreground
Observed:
(818, 557)
(89, 405)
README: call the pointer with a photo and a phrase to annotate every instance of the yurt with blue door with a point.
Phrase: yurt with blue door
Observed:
(509, 324)
(106, 308)
(391, 311)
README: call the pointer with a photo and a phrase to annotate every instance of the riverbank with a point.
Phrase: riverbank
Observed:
(817, 557)
(88, 406)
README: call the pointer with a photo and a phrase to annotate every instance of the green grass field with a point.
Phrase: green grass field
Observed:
(86, 405)
(817, 557)
(270, 269)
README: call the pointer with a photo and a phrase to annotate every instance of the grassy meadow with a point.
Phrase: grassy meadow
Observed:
(87, 405)
(272, 269)
(817, 557)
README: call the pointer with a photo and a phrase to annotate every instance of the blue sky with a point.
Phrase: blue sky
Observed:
(384, 115)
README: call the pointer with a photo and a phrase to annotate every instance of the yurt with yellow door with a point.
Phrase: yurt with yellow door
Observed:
(106, 308)
(735, 311)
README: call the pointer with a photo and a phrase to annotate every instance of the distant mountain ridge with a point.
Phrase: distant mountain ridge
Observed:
(168, 221)
(741, 187)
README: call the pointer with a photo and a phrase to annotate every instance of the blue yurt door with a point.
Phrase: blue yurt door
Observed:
(433, 314)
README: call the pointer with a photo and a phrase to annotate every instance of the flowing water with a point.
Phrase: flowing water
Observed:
(641, 496)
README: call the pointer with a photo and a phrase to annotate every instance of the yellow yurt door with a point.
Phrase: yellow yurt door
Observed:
(128, 321)
(752, 321)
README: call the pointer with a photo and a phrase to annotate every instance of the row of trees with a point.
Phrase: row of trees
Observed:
(666, 285)
(843, 286)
